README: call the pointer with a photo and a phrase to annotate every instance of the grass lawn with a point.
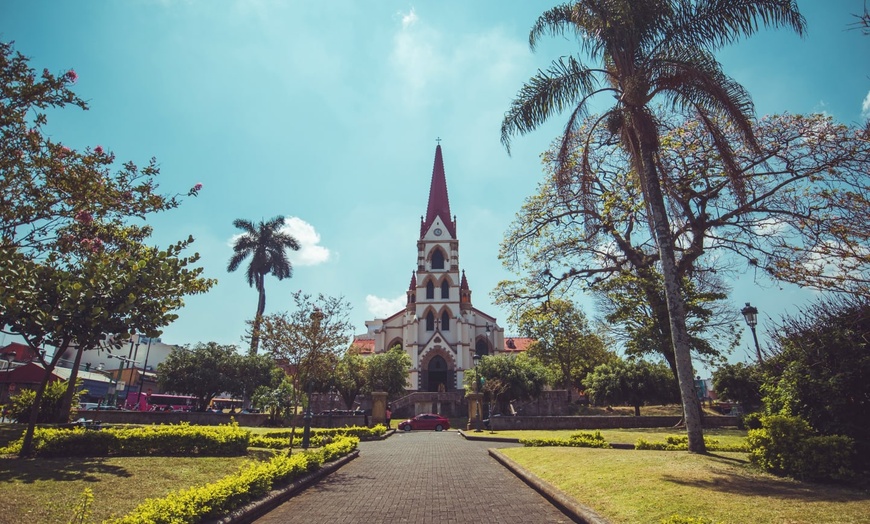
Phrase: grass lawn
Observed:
(626, 436)
(45, 491)
(646, 486)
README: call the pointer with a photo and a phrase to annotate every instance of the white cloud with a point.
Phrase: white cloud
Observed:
(865, 107)
(383, 307)
(409, 19)
(310, 253)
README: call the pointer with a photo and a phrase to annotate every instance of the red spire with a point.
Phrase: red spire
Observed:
(464, 283)
(413, 285)
(439, 202)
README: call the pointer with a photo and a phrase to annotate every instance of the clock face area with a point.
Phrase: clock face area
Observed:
(437, 232)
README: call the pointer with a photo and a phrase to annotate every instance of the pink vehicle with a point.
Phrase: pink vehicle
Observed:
(159, 402)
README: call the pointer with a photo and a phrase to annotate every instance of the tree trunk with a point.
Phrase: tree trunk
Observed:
(66, 403)
(27, 443)
(637, 410)
(674, 297)
(261, 307)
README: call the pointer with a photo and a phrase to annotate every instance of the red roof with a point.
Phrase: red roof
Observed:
(517, 344)
(365, 343)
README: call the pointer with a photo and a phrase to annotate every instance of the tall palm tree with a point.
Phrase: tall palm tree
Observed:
(266, 245)
(649, 50)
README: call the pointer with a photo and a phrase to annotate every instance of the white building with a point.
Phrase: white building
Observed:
(439, 328)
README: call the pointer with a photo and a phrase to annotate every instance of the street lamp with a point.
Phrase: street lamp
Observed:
(316, 317)
(750, 313)
(478, 388)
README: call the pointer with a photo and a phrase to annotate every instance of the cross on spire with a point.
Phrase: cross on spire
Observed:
(438, 140)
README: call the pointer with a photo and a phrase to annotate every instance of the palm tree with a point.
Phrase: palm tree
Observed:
(649, 49)
(266, 245)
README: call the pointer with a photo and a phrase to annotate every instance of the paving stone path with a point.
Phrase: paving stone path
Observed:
(420, 477)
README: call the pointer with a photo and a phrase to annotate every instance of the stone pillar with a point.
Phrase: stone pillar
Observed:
(475, 411)
(379, 407)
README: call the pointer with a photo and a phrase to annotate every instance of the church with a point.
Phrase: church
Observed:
(439, 327)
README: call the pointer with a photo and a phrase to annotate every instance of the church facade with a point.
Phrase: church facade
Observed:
(439, 327)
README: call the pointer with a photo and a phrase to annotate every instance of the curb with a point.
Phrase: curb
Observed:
(578, 512)
(470, 435)
(251, 512)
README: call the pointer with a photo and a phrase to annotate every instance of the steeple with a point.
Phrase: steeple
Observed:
(439, 202)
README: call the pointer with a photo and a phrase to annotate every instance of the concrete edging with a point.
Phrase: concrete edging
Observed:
(578, 512)
(276, 497)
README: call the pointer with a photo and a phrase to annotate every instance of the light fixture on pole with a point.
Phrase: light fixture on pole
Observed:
(750, 314)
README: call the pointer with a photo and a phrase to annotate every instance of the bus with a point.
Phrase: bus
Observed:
(160, 402)
(225, 405)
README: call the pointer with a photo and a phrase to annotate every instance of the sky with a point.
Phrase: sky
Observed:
(327, 113)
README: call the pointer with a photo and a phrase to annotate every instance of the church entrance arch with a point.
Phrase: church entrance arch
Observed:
(438, 376)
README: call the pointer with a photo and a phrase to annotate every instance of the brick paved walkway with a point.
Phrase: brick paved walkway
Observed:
(420, 477)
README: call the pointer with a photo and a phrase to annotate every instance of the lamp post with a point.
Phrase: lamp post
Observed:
(478, 388)
(750, 313)
(316, 316)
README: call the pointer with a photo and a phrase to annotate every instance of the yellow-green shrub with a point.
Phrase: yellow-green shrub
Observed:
(681, 443)
(577, 440)
(253, 481)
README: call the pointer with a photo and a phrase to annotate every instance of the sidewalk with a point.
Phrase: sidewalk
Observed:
(420, 477)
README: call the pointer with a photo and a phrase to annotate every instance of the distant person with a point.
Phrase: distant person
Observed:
(389, 415)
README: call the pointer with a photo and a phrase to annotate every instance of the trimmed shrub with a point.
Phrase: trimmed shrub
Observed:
(253, 481)
(165, 440)
(788, 446)
(577, 440)
(681, 443)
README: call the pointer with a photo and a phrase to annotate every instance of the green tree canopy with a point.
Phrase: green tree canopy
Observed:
(739, 383)
(633, 382)
(508, 378)
(74, 264)
(563, 341)
(350, 376)
(820, 367)
(203, 371)
(388, 371)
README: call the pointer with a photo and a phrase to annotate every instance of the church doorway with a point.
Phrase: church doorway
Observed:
(438, 376)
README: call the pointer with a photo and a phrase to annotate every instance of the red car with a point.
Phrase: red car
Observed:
(425, 421)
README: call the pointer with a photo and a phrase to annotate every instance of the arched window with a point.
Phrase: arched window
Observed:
(481, 347)
(445, 289)
(445, 321)
(437, 259)
(430, 290)
(430, 321)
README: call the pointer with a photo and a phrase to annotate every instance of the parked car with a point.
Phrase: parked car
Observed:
(425, 421)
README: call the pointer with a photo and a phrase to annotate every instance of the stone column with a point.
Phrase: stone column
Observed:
(475, 413)
(379, 407)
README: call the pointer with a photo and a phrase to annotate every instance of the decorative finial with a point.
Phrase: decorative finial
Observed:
(438, 140)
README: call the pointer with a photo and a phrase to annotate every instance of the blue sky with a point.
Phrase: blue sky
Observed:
(328, 112)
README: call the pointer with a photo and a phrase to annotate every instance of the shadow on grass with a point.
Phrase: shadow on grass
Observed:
(33, 470)
(736, 483)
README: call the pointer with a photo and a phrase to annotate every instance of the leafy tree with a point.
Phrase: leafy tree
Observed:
(649, 49)
(388, 371)
(250, 372)
(267, 246)
(563, 341)
(21, 404)
(820, 367)
(276, 399)
(308, 341)
(203, 371)
(74, 266)
(508, 378)
(350, 376)
(739, 382)
(633, 382)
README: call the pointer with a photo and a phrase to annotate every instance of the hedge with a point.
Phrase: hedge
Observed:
(577, 440)
(166, 440)
(681, 443)
(253, 481)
